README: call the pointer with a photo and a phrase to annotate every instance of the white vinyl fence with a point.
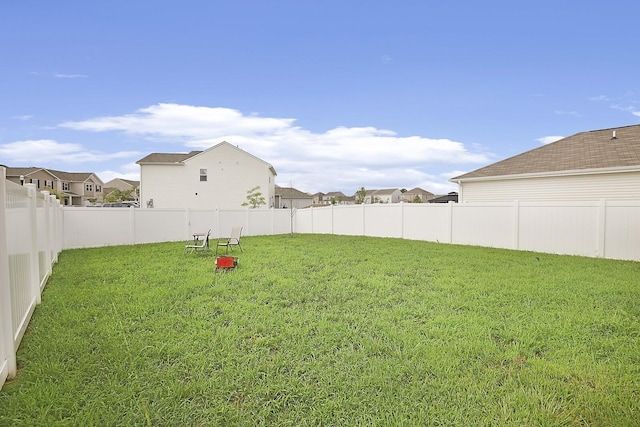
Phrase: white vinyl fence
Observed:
(603, 229)
(86, 227)
(31, 226)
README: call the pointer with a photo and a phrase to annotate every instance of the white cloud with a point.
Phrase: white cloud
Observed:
(69, 76)
(549, 139)
(636, 113)
(568, 113)
(129, 171)
(23, 117)
(47, 151)
(342, 157)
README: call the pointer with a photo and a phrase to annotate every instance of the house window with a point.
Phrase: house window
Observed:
(98, 189)
(36, 182)
(203, 174)
(65, 186)
(88, 187)
(48, 183)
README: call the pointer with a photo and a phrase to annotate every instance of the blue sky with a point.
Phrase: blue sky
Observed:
(334, 94)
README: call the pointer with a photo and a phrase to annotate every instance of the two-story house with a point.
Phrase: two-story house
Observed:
(123, 185)
(389, 195)
(416, 195)
(219, 177)
(74, 188)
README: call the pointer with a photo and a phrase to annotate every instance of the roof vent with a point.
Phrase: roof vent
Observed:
(614, 135)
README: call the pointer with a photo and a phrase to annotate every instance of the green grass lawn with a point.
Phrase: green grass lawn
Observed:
(331, 330)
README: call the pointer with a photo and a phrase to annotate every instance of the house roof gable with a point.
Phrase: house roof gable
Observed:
(167, 158)
(61, 175)
(181, 158)
(597, 149)
(292, 193)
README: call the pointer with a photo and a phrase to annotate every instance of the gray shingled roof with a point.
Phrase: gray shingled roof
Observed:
(65, 176)
(291, 193)
(167, 157)
(595, 149)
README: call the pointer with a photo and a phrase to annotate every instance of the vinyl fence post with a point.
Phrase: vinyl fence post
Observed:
(402, 219)
(8, 364)
(48, 249)
(516, 224)
(450, 219)
(132, 224)
(187, 221)
(602, 229)
(332, 216)
(34, 282)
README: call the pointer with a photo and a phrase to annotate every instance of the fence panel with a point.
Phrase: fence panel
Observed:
(349, 220)
(560, 228)
(8, 366)
(284, 220)
(22, 284)
(86, 227)
(322, 220)
(490, 225)
(430, 222)
(166, 225)
(42, 239)
(25, 262)
(622, 230)
(385, 220)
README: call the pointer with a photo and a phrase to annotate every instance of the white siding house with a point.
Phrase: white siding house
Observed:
(289, 197)
(218, 177)
(594, 165)
(388, 195)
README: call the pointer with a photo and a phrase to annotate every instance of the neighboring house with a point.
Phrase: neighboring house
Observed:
(75, 188)
(416, 195)
(331, 198)
(218, 177)
(390, 195)
(334, 198)
(318, 198)
(593, 165)
(123, 185)
(289, 197)
(446, 198)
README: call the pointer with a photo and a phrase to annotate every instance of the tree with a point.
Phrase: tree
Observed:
(417, 199)
(361, 195)
(56, 193)
(117, 195)
(254, 198)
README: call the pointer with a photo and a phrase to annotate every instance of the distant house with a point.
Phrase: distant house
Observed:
(122, 185)
(289, 197)
(331, 198)
(416, 195)
(334, 198)
(218, 177)
(390, 195)
(446, 198)
(593, 165)
(74, 188)
(318, 198)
